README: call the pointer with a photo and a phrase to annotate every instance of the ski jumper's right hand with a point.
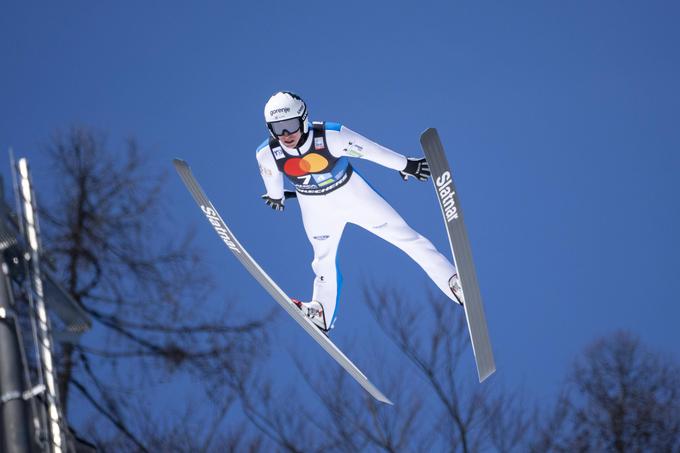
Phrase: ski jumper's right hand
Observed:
(277, 203)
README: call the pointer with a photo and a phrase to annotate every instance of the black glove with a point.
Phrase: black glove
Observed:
(274, 203)
(418, 168)
(277, 203)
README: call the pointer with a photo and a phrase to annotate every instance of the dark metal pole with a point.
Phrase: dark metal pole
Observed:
(14, 428)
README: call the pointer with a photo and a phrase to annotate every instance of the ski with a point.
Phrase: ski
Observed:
(449, 202)
(267, 283)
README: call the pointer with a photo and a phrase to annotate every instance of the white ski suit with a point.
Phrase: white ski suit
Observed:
(331, 194)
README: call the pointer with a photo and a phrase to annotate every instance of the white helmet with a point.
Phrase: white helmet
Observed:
(285, 112)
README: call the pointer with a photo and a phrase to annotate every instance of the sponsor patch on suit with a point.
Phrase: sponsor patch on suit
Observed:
(278, 153)
(318, 143)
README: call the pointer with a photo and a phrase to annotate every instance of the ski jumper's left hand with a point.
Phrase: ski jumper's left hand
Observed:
(418, 168)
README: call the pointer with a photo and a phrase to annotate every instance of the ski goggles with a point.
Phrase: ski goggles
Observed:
(291, 125)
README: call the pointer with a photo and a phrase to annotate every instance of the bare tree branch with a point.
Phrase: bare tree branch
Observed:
(619, 397)
(139, 280)
(435, 341)
(112, 418)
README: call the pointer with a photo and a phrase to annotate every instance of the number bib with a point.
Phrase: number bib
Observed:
(317, 172)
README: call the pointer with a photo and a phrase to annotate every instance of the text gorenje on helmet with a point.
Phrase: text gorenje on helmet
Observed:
(281, 110)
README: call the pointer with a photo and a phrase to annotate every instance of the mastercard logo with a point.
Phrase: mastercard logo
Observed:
(311, 163)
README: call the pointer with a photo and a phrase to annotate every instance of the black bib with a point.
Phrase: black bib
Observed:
(317, 172)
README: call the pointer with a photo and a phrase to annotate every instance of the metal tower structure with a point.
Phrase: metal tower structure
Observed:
(31, 419)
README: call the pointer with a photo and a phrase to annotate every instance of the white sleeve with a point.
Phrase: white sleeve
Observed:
(347, 143)
(272, 177)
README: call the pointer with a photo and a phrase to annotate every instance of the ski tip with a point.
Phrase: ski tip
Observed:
(430, 135)
(180, 165)
(429, 131)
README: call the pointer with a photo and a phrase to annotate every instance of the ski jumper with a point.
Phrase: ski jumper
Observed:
(331, 194)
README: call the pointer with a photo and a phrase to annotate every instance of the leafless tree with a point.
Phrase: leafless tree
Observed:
(356, 422)
(123, 258)
(188, 430)
(470, 416)
(620, 397)
(439, 405)
(282, 417)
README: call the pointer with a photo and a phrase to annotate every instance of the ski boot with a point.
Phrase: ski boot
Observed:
(456, 289)
(314, 311)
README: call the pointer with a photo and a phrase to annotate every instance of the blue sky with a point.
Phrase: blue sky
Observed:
(560, 121)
